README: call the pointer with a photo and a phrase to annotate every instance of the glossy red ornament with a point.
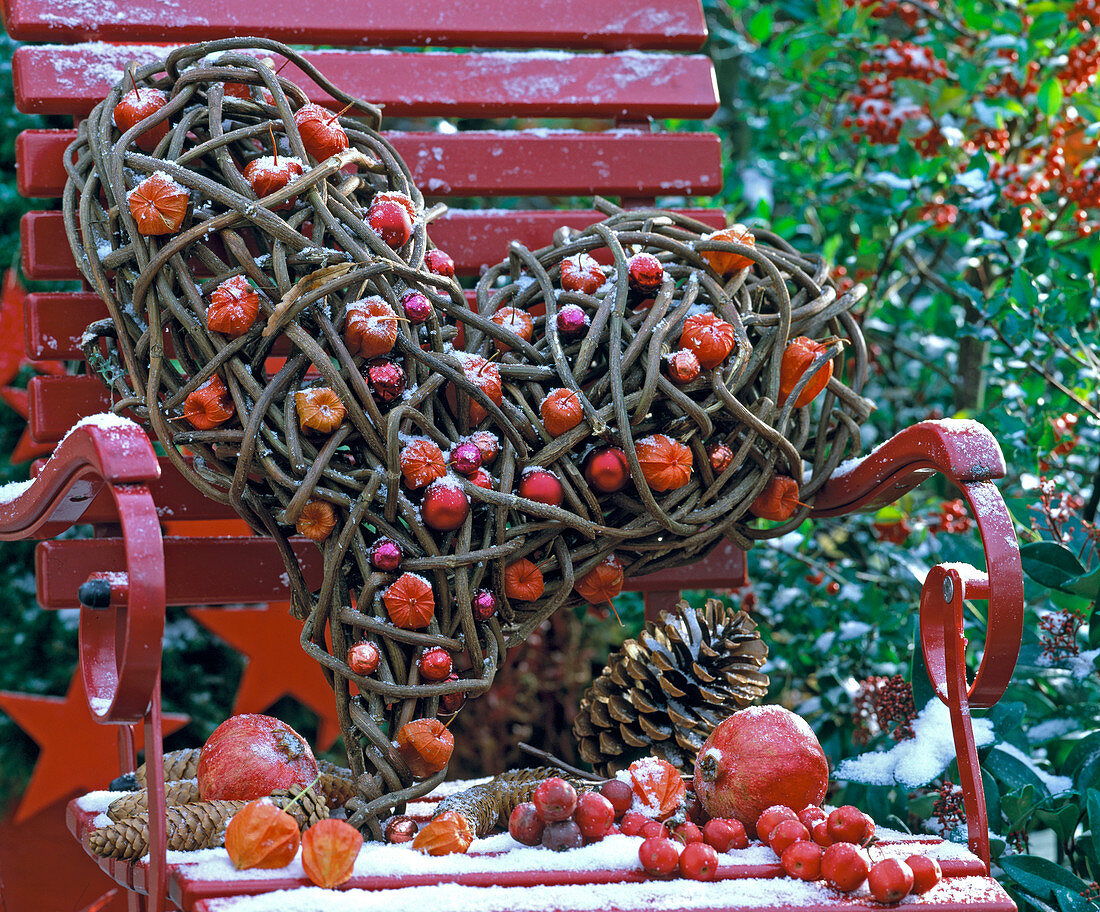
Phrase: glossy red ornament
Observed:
(370, 327)
(571, 320)
(209, 406)
(417, 307)
(466, 458)
(269, 174)
(364, 658)
(709, 337)
(425, 745)
(581, 273)
(727, 262)
(778, 500)
(435, 664)
(542, 487)
(422, 462)
(602, 583)
(386, 380)
(482, 479)
(386, 555)
(400, 829)
(523, 581)
(561, 411)
(666, 463)
(234, 307)
(321, 132)
(720, 457)
(482, 374)
(445, 505)
(515, 321)
(390, 220)
(645, 273)
(451, 703)
(607, 470)
(683, 366)
(134, 107)
(440, 263)
(396, 196)
(797, 358)
(316, 521)
(484, 604)
(409, 601)
(158, 204)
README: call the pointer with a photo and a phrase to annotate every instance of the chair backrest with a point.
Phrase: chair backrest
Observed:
(516, 73)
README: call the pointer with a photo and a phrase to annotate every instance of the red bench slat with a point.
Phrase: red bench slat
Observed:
(473, 237)
(199, 571)
(670, 24)
(630, 85)
(490, 163)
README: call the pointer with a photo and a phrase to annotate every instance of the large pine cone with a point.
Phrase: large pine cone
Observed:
(663, 693)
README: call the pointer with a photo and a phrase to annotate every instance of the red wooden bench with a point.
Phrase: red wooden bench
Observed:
(615, 65)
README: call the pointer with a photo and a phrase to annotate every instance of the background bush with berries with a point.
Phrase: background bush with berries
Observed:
(946, 155)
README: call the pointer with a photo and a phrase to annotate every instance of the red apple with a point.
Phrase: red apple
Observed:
(850, 824)
(844, 866)
(249, 756)
(890, 880)
(759, 757)
(926, 872)
(802, 859)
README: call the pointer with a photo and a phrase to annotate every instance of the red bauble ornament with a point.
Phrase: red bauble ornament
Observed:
(249, 756)
(390, 220)
(386, 555)
(757, 758)
(607, 470)
(482, 479)
(683, 367)
(321, 132)
(386, 380)
(268, 174)
(466, 458)
(417, 306)
(134, 107)
(487, 442)
(542, 487)
(486, 377)
(571, 320)
(400, 829)
(435, 664)
(439, 263)
(445, 505)
(364, 658)
(451, 703)
(645, 273)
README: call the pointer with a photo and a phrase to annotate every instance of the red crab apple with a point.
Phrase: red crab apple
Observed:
(890, 880)
(699, 861)
(759, 757)
(249, 756)
(659, 856)
(926, 872)
(786, 834)
(850, 824)
(725, 834)
(802, 859)
(844, 866)
(770, 819)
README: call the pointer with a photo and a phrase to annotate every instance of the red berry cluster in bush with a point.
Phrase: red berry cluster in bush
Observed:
(558, 818)
(1082, 65)
(1086, 13)
(905, 60)
(813, 845)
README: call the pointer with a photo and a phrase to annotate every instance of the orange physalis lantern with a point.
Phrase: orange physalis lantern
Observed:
(261, 835)
(726, 262)
(523, 581)
(409, 601)
(448, 833)
(425, 745)
(422, 462)
(778, 500)
(209, 405)
(581, 273)
(329, 850)
(602, 583)
(797, 358)
(370, 327)
(709, 338)
(516, 321)
(482, 374)
(320, 130)
(658, 785)
(316, 521)
(666, 463)
(319, 409)
(561, 411)
(269, 174)
(234, 306)
(158, 204)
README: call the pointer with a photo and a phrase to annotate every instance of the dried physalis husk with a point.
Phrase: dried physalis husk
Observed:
(727, 262)
(666, 463)
(234, 307)
(425, 745)
(709, 338)
(316, 521)
(778, 501)
(448, 833)
(370, 327)
(329, 850)
(262, 835)
(319, 409)
(602, 583)
(422, 462)
(158, 205)
(523, 581)
(209, 405)
(410, 602)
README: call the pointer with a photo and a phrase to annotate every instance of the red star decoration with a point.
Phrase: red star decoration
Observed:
(276, 665)
(76, 752)
(27, 447)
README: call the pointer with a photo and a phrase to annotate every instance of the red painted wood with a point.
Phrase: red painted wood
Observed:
(200, 571)
(483, 23)
(57, 403)
(490, 163)
(627, 86)
(473, 237)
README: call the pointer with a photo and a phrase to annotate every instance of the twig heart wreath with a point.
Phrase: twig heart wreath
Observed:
(281, 324)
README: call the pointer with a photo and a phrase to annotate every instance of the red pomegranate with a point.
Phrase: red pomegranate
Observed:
(760, 757)
(250, 755)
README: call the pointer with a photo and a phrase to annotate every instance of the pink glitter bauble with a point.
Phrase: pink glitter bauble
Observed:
(571, 320)
(417, 306)
(484, 604)
(400, 829)
(386, 380)
(386, 555)
(466, 458)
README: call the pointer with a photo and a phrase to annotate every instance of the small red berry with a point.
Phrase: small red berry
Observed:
(560, 835)
(525, 825)
(645, 273)
(620, 794)
(632, 822)
(687, 832)
(724, 834)
(770, 819)
(699, 861)
(450, 703)
(659, 856)
(811, 815)
(820, 833)
(802, 859)
(926, 872)
(890, 880)
(850, 824)
(594, 815)
(786, 833)
(555, 799)
(653, 828)
(844, 866)
(390, 221)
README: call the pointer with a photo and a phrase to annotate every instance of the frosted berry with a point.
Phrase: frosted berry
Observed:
(811, 815)
(653, 828)
(435, 664)
(581, 273)
(594, 815)
(687, 832)
(786, 833)
(363, 658)
(632, 822)
(386, 555)
(620, 794)
(699, 861)
(844, 866)
(390, 220)
(525, 825)
(820, 833)
(417, 306)
(770, 819)
(386, 380)
(484, 604)
(561, 835)
(890, 880)
(724, 834)
(135, 106)
(926, 872)
(445, 506)
(542, 487)
(850, 824)
(802, 859)
(659, 856)
(645, 273)
(439, 263)
(555, 799)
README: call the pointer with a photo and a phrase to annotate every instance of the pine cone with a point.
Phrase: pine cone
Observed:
(337, 784)
(178, 764)
(184, 791)
(663, 693)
